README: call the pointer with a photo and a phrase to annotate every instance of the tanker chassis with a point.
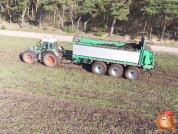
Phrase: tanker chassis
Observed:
(114, 58)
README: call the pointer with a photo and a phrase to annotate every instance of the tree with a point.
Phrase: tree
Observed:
(137, 14)
(2, 9)
(118, 10)
(71, 6)
(11, 7)
(56, 6)
(39, 12)
(22, 6)
(51, 6)
(165, 10)
(91, 9)
(16, 9)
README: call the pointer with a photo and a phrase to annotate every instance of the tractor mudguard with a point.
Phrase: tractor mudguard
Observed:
(55, 52)
(32, 52)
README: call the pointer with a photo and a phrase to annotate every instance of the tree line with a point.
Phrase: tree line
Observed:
(122, 16)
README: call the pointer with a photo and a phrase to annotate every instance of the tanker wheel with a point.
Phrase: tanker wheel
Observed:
(50, 60)
(115, 70)
(28, 58)
(132, 73)
(99, 68)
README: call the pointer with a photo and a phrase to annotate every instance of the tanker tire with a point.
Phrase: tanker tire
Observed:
(50, 60)
(132, 73)
(115, 70)
(99, 68)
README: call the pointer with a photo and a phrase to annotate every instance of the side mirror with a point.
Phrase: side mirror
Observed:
(38, 45)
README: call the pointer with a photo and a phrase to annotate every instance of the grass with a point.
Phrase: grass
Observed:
(170, 64)
(69, 99)
(3, 27)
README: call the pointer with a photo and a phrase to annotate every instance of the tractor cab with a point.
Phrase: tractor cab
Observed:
(49, 44)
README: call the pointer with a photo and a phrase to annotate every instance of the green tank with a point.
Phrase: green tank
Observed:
(96, 42)
(112, 57)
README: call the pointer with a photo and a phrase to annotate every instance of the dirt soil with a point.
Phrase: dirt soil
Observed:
(55, 114)
(157, 75)
(160, 76)
(79, 117)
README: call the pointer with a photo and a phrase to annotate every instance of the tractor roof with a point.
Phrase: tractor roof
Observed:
(49, 40)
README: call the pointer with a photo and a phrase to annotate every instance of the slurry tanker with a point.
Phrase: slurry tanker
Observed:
(105, 57)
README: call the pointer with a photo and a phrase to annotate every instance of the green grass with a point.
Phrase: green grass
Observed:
(167, 61)
(69, 99)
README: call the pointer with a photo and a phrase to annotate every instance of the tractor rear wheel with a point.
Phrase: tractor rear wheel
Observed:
(115, 70)
(132, 73)
(99, 68)
(50, 60)
(28, 58)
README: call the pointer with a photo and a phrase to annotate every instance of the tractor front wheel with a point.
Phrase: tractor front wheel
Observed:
(28, 58)
(50, 60)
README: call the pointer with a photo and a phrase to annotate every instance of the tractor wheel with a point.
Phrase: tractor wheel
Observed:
(28, 58)
(132, 73)
(115, 70)
(50, 60)
(99, 68)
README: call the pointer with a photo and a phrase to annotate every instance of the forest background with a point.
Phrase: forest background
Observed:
(121, 17)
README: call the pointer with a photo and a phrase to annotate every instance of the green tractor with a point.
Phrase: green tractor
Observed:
(46, 51)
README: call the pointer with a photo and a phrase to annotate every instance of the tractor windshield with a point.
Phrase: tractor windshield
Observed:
(47, 45)
(55, 45)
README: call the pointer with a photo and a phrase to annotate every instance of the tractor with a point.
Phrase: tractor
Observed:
(46, 51)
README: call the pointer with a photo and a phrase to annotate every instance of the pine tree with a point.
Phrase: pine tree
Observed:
(71, 8)
(87, 9)
(55, 6)
(91, 9)
(22, 6)
(165, 10)
(2, 8)
(118, 10)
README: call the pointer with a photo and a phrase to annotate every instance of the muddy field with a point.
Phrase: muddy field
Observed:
(70, 99)
(157, 76)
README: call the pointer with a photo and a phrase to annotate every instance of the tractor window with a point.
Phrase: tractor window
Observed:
(51, 46)
(55, 45)
(45, 45)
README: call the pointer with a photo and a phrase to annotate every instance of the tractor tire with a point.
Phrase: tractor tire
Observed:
(115, 70)
(28, 58)
(132, 73)
(99, 68)
(50, 60)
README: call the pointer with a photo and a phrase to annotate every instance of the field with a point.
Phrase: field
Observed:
(35, 99)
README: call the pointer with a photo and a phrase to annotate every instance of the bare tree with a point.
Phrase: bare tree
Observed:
(71, 15)
(85, 25)
(23, 15)
(78, 22)
(112, 27)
